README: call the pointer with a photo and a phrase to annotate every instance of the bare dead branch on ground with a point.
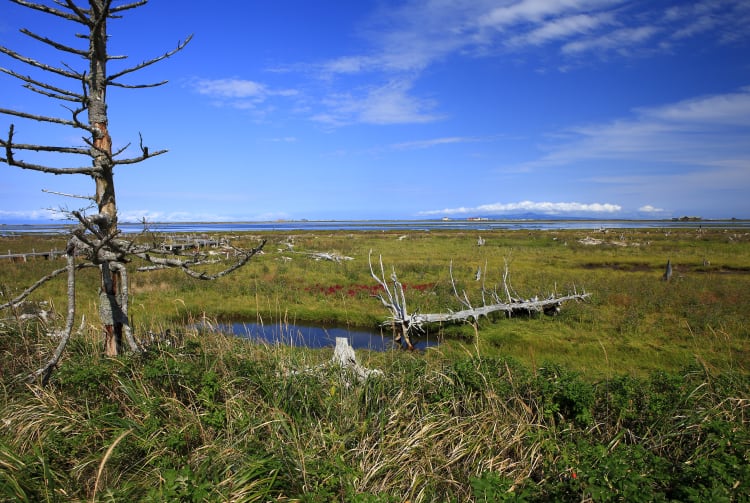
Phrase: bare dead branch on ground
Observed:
(406, 324)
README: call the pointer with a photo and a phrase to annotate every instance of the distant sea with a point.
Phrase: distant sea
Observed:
(370, 225)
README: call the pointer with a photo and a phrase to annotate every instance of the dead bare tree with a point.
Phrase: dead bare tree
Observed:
(83, 92)
(406, 324)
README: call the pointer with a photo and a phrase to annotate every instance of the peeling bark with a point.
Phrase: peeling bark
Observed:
(96, 237)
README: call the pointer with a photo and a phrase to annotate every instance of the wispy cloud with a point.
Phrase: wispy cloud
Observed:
(650, 209)
(708, 131)
(391, 103)
(685, 153)
(406, 40)
(238, 93)
(400, 42)
(559, 29)
(433, 142)
(421, 32)
(548, 208)
(283, 139)
(728, 19)
(622, 41)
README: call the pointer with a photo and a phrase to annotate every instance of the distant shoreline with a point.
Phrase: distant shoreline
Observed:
(405, 225)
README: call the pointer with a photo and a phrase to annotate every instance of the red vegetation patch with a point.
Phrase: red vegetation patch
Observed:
(361, 290)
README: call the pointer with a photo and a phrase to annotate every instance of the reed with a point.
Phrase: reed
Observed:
(638, 321)
(640, 394)
(223, 419)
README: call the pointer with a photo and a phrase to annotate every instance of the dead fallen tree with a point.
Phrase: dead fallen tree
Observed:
(407, 324)
(344, 359)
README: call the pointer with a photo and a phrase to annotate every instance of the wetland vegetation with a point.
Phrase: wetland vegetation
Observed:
(638, 394)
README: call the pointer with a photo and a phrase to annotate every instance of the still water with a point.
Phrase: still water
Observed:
(320, 337)
(317, 337)
(400, 225)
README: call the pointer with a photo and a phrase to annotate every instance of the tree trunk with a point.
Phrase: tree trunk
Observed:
(110, 296)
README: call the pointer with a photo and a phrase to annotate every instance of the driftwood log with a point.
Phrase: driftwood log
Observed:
(406, 324)
(344, 359)
(343, 355)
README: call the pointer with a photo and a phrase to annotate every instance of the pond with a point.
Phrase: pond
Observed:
(320, 337)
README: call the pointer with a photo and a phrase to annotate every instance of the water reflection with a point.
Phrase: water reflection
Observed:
(320, 337)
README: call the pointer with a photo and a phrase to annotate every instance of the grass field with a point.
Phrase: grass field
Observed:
(633, 323)
(640, 394)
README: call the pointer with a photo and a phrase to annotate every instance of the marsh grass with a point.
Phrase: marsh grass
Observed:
(640, 394)
(223, 419)
(633, 322)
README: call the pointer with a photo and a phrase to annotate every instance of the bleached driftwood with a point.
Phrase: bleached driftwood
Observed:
(405, 324)
(317, 256)
(343, 355)
(332, 256)
(345, 359)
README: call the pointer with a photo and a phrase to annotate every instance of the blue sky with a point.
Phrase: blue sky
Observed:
(411, 109)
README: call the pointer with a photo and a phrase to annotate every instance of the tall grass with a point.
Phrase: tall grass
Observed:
(222, 419)
(634, 322)
(640, 394)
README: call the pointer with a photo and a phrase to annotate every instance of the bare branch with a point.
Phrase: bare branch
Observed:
(49, 10)
(49, 94)
(125, 321)
(32, 62)
(140, 158)
(61, 94)
(406, 322)
(9, 159)
(23, 295)
(40, 118)
(83, 17)
(75, 196)
(56, 45)
(465, 301)
(186, 265)
(133, 5)
(46, 371)
(144, 64)
(50, 148)
(402, 322)
(138, 86)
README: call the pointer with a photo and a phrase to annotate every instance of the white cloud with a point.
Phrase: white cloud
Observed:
(231, 88)
(391, 103)
(691, 133)
(402, 41)
(418, 33)
(548, 208)
(238, 93)
(728, 18)
(284, 139)
(618, 40)
(348, 64)
(650, 209)
(536, 10)
(731, 109)
(561, 28)
(421, 144)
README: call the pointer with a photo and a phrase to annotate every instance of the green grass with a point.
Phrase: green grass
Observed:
(221, 419)
(634, 322)
(640, 394)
